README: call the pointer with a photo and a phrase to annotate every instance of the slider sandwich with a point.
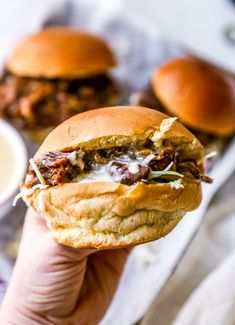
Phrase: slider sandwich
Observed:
(115, 177)
(54, 74)
(201, 96)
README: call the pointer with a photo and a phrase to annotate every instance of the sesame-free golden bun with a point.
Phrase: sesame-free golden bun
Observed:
(202, 96)
(61, 52)
(104, 214)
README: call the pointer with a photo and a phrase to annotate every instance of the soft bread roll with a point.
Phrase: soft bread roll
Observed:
(61, 52)
(202, 96)
(109, 215)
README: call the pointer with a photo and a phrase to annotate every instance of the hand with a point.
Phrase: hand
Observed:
(54, 284)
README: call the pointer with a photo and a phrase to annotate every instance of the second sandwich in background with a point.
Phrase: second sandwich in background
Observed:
(201, 96)
(54, 74)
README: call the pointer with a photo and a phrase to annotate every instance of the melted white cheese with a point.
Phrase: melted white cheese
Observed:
(75, 160)
(134, 167)
(103, 174)
(94, 175)
(176, 184)
(73, 157)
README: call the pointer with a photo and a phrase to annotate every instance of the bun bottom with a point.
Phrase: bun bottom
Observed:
(106, 215)
(145, 226)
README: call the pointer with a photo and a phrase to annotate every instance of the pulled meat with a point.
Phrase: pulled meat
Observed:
(103, 156)
(164, 158)
(63, 167)
(56, 168)
(191, 167)
(30, 102)
(206, 179)
(121, 173)
(147, 98)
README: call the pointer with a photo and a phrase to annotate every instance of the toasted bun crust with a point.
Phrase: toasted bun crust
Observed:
(108, 215)
(200, 95)
(119, 125)
(61, 52)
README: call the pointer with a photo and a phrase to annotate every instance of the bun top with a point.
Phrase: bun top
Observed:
(117, 126)
(202, 96)
(61, 52)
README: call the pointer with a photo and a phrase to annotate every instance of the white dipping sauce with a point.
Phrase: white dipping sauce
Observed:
(7, 163)
(13, 161)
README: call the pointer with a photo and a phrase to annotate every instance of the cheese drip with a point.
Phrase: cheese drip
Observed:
(103, 174)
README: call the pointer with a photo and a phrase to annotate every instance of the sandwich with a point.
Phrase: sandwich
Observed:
(54, 74)
(200, 95)
(115, 177)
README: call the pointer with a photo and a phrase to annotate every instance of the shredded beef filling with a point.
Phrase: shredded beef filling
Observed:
(120, 173)
(164, 158)
(56, 168)
(64, 167)
(30, 102)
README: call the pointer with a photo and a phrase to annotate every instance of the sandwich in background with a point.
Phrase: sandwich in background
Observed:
(201, 96)
(54, 74)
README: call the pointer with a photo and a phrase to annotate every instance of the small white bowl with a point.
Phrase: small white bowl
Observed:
(20, 155)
